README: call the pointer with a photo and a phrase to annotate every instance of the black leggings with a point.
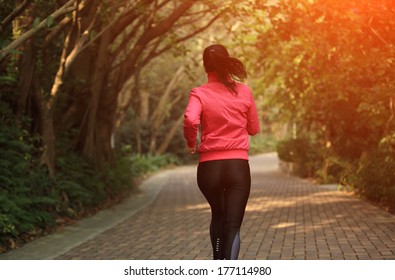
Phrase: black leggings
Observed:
(226, 186)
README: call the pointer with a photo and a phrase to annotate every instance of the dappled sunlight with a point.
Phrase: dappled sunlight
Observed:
(342, 197)
(255, 204)
(204, 207)
(285, 225)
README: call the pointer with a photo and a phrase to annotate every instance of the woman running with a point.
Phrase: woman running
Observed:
(225, 110)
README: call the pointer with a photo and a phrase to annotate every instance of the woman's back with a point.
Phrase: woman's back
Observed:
(225, 116)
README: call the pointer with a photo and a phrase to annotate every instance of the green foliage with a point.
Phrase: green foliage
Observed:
(328, 67)
(324, 68)
(262, 143)
(304, 154)
(31, 200)
(146, 163)
(26, 199)
(376, 177)
(78, 186)
(119, 176)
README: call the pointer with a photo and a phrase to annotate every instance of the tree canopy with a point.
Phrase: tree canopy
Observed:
(327, 68)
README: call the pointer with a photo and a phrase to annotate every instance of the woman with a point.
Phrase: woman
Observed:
(226, 113)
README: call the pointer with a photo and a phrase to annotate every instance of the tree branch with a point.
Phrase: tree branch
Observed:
(68, 59)
(123, 44)
(154, 53)
(156, 31)
(376, 33)
(65, 9)
(15, 13)
(170, 135)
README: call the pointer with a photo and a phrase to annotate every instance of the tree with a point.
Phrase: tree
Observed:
(99, 49)
(328, 68)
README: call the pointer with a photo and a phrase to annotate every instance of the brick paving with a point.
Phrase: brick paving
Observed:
(286, 218)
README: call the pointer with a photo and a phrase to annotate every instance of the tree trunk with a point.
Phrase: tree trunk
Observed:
(89, 137)
(160, 112)
(48, 110)
(47, 133)
(170, 135)
(26, 73)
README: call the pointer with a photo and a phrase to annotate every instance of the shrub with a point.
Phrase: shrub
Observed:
(78, 186)
(305, 155)
(262, 143)
(119, 176)
(337, 170)
(31, 201)
(376, 177)
(146, 163)
(27, 201)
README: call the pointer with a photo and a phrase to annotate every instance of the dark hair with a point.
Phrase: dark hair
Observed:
(229, 69)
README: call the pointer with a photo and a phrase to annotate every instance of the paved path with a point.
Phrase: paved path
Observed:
(286, 218)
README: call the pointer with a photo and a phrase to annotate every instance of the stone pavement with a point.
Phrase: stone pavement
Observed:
(286, 218)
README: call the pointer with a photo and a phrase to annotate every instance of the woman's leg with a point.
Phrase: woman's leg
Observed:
(226, 186)
(209, 182)
(237, 191)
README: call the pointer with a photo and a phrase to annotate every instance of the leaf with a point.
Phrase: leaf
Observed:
(272, 3)
(5, 181)
(36, 22)
(6, 79)
(92, 35)
(15, 52)
(4, 42)
(49, 21)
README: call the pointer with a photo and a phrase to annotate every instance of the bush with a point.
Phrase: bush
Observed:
(27, 201)
(376, 177)
(262, 143)
(146, 163)
(119, 177)
(31, 201)
(78, 186)
(337, 170)
(372, 175)
(305, 155)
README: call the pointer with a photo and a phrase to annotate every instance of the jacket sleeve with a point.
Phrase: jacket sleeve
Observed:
(252, 118)
(192, 119)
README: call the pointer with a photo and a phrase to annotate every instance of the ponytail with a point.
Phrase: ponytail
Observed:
(229, 69)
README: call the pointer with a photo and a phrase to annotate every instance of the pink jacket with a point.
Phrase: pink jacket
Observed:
(226, 120)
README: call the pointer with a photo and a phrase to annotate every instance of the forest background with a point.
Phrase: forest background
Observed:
(92, 95)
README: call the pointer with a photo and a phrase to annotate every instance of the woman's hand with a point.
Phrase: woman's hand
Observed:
(192, 150)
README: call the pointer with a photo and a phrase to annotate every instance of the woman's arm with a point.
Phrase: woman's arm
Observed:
(252, 118)
(192, 120)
